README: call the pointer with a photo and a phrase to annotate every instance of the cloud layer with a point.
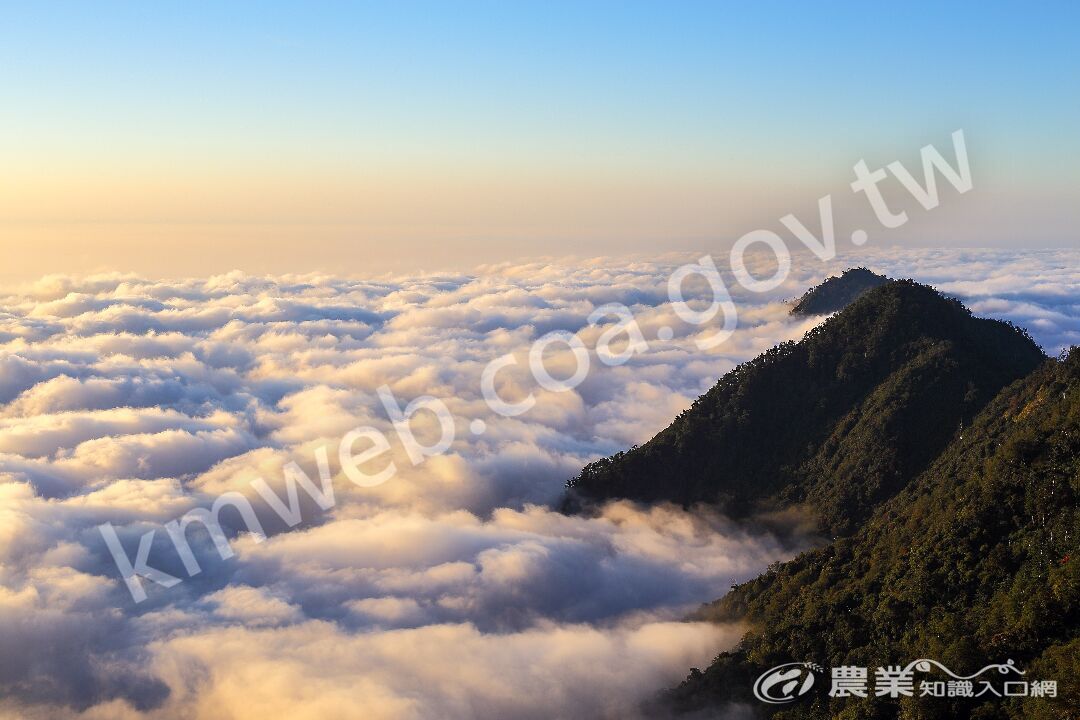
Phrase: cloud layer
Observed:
(453, 590)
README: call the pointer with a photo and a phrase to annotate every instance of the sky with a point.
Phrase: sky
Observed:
(194, 138)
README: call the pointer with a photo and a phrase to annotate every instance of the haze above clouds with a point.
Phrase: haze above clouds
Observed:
(452, 590)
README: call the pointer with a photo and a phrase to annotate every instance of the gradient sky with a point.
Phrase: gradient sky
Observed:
(177, 138)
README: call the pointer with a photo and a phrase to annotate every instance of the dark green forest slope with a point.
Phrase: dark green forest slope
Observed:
(840, 421)
(940, 453)
(974, 562)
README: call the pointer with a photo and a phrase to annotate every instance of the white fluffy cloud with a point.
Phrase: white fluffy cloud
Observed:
(453, 590)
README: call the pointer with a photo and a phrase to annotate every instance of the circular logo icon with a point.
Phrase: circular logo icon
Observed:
(785, 683)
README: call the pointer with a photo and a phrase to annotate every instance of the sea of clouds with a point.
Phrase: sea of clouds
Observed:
(454, 590)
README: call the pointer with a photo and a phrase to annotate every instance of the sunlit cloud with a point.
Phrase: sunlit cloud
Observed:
(454, 589)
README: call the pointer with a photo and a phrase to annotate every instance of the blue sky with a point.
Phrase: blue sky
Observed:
(525, 125)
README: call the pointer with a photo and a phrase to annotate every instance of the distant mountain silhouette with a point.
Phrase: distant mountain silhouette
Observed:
(841, 420)
(837, 293)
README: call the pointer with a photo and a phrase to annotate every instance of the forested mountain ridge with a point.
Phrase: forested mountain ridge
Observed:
(841, 420)
(974, 562)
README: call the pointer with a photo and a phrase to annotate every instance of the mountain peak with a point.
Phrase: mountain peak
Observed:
(836, 293)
